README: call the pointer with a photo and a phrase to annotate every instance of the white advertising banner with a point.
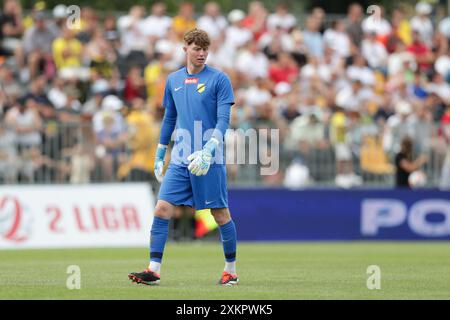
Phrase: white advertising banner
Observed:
(60, 216)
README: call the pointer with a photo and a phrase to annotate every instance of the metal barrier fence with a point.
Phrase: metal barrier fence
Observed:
(73, 153)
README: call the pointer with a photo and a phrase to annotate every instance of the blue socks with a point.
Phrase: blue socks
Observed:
(158, 238)
(228, 237)
(159, 234)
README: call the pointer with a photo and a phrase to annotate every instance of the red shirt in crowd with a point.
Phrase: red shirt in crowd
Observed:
(286, 74)
(420, 51)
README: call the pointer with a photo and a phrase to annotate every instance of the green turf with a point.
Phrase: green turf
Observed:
(321, 270)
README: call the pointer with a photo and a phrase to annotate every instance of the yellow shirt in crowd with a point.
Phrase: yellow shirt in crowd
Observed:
(75, 49)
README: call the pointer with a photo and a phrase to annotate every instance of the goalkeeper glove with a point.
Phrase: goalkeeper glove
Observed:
(201, 160)
(159, 162)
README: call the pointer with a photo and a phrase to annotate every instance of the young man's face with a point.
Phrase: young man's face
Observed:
(196, 55)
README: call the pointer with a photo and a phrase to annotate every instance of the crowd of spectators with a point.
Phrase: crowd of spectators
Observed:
(81, 103)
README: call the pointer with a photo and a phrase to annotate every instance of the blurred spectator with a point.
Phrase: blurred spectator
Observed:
(236, 35)
(442, 65)
(11, 27)
(8, 156)
(318, 14)
(377, 23)
(131, 28)
(445, 127)
(440, 87)
(110, 136)
(422, 22)
(401, 30)
(10, 89)
(25, 123)
(37, 44)
(155, 26)
(256, 19)
(89, 24)
(337, 39)
(134, 85)
(184, 20)
(257, 94)
(141, 141)
(359, 71)
(284, 69)
(252, 63)
(353, 24)
(67, 54)
(312, 37)
(421, 129)
(59, 13)
(422, 52)
(81, 164)
(111, 32)
(374, 52)
(170, 50)
(281, 18)
(212, 21)
(400, 60)
(444, 27)
(220, 56)
(99, 89)
(405, 164)
(101, 55)
(354, 97)
(340, 138)
(397, 127)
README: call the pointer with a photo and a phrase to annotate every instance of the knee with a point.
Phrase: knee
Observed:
(163, 210)
(222, 216)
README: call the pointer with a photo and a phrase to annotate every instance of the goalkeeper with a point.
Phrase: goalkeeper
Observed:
(197, 102)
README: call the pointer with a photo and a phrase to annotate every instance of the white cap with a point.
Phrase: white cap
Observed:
(60, 11)
(403, 107)
(111, 103)
(423, 8)
(236, 15)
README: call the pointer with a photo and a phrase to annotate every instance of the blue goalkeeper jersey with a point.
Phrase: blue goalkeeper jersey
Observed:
(201, 102)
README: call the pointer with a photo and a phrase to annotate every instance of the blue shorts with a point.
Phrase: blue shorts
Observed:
(181, 188)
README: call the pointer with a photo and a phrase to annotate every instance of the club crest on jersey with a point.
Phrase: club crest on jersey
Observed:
(191, 81)
(201, 87)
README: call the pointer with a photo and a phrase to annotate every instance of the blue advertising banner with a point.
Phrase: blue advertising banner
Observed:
(281, 214)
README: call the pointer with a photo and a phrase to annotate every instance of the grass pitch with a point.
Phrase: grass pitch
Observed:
(319, 270)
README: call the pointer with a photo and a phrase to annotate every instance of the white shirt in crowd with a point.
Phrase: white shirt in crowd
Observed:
(255, 97)
(424, 27)
(442, 65)
(375, 53)
(286, 22)
(397, 60)
(444, 27)
(286, 41)
(236, 37)
(361, 73)
(323, 71)
(252, 65)
(156, 26)
(353, 101)
(379, 26)
(132, 34)
(339, 42)
(214, 26)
